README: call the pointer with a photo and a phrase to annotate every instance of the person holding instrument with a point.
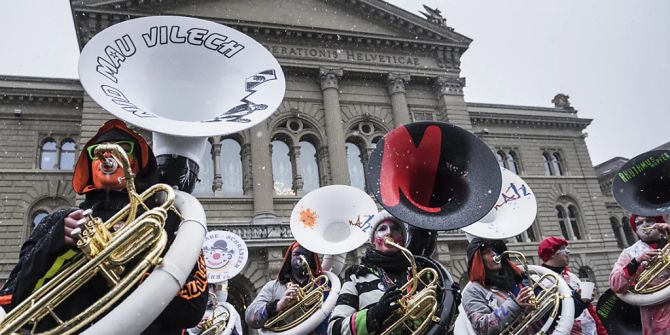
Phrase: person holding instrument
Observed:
(281, 293)
(52, 244)
(652, 232)
(371, 291)
(497, 293)
(555, 255)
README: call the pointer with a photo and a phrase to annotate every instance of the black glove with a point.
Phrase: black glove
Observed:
(386, 305)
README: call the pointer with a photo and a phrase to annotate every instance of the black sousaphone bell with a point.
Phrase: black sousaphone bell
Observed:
(434, 175)
(642, 185)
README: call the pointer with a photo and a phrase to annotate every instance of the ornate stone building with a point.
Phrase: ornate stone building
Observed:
(355, 69)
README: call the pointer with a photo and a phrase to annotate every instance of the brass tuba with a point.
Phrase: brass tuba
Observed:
(419, 302)
(552, 289)
(219, 322)
(308, 302)
(142, 239)
(642, 186)
(433, 176)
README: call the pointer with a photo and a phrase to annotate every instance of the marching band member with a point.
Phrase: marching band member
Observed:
(51, 245)
(370, 292)
(496, 295)
(555, 254)
(651, 231)
(279, 294)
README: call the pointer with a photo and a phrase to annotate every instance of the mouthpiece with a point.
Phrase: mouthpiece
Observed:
(109, 165)
(497, 259)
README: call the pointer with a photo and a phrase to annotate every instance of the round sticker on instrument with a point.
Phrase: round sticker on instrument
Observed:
(172, 74)
(225, 255)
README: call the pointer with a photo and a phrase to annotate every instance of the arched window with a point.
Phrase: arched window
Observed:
(38, 215)
(282, 168)
(620, 239)
(231, 168)
(574, 224)
(309, 168)
(569, 217)
(631, 237)
(513, 162)
(48, 155)
(206, 172)
(560, 214)
(586, 273)
(66, 160)
(356, 169)
(557, 164)
(500, 157)
(40, 209)
(548, 170)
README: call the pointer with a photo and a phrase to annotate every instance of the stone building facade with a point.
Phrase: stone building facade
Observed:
(355, 69)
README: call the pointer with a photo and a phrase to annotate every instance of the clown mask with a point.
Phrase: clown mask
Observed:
(644, 229)
(387, 229)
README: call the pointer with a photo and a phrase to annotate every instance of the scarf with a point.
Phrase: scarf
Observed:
(396, 263)
(504, 279)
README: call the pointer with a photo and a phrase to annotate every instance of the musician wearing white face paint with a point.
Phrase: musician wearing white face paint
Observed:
(651, 231)
(370, 292)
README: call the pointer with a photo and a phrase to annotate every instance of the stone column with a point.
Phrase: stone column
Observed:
(396, 89)
(247, 182)
(297, 176)
(451, 102)
(217, 185)
(261, 174)
(339, 169)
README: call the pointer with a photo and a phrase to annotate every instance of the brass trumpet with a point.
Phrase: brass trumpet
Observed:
(416, 305)
(546, 301)
(141, 239)
(309, 300)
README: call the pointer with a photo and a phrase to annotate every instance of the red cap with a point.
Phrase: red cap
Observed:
(549, 246)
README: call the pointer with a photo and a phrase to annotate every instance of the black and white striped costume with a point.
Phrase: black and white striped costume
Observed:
(363, 287)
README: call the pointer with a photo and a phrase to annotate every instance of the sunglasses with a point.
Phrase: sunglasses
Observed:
(127, 146)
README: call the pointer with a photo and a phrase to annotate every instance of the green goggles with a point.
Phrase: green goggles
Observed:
(127, 146)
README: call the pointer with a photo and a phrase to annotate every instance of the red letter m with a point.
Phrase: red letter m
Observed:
(410, 169)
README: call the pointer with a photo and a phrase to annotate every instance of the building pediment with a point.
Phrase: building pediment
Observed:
(369, 18)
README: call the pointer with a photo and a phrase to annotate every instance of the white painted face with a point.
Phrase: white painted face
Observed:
(390, 229)
(643, 225)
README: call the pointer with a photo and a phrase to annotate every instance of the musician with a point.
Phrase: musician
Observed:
(213, 312)
(651, 231)
(370, 292)
(279, 294)
(555, 255)
(496, 294)
(51, 245)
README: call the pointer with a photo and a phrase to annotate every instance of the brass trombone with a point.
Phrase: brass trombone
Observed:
(546, 301)
(416, 304)
(102, 252)
(308, 301)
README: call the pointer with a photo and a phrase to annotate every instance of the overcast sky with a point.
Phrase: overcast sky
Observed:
(612, 57)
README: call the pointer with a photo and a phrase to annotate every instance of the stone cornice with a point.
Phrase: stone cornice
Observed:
(519, 107)
(376, 10)
(40, 90)
(529, 120)
(92, 20)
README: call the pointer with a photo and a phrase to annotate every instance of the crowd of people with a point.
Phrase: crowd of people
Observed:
(498, 293)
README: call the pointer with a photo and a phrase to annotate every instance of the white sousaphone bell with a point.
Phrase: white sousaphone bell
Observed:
(511, 215)
(331, 220)
(514, 213)
(185, 79)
